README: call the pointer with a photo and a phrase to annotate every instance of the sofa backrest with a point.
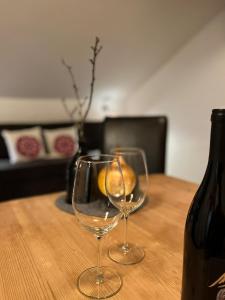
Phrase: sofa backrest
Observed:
(148, 133)
(92, 130)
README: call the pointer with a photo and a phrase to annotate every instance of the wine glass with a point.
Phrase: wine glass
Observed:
(98, 179)
(135, 175)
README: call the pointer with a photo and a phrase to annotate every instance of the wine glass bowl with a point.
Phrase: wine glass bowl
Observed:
(135, 175)
(92, 202)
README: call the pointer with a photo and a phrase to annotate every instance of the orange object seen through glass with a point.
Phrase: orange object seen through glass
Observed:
(129, 178)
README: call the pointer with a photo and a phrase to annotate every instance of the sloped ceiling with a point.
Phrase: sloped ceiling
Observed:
(138, 36)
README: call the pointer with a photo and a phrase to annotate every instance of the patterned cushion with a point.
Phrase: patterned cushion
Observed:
(61, 142)
(24, 144)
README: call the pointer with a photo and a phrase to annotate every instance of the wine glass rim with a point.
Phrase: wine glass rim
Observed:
(108, 158)
(129, 150)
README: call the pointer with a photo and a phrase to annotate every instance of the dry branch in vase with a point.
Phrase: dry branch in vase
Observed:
(82, 106)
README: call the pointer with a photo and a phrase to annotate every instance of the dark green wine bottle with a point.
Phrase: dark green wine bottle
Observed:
(204, 239)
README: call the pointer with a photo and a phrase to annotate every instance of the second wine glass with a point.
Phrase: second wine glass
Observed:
(135, 176)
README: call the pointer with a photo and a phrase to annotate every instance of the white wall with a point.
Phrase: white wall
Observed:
(186, 89)
(25, 110)
(137, 37)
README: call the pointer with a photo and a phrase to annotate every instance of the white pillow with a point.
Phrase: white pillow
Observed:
(24, 144)
(61, 142)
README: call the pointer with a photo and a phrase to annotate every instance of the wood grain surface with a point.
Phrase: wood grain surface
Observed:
(43, 249)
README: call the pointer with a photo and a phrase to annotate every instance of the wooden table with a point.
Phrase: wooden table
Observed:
(43, 250)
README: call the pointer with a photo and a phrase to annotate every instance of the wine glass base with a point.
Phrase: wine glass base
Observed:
(133, 255)
(90, 285)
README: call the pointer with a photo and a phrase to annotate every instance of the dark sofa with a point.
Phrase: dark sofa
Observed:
(39, 176)
(46, 176)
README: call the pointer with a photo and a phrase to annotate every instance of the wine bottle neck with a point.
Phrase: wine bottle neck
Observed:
(217, 142)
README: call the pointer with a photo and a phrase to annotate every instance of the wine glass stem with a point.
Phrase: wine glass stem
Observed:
(100, 277)
(125, 246)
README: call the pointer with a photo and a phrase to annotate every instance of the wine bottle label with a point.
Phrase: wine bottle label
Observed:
(220, 282)
(217, 279)
(221, 295)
